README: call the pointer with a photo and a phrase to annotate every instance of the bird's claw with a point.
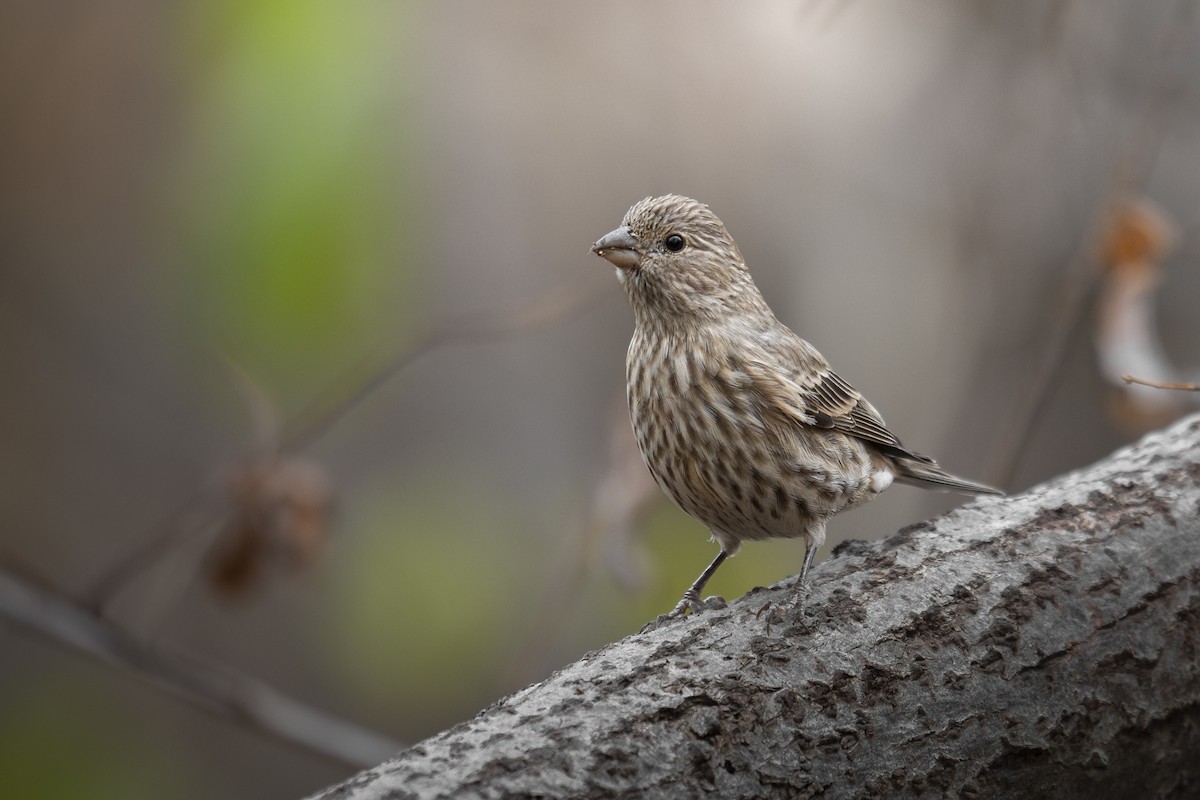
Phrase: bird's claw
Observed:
(688, 603)
(775, 613)
(696, 606)
(691, 602)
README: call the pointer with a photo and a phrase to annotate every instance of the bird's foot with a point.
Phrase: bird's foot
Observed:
(776, 613)
(689, 603)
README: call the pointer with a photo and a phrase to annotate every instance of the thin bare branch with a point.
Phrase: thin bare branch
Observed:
(1183, 387)
(195, 514)
(185, 522)
(35, 607)
(542, 311)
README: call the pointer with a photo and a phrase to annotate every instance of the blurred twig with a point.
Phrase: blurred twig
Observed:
(1183, 387)
(1084, 273)
(198, 513)
(618, 500)
(42, 610)
(547, 309)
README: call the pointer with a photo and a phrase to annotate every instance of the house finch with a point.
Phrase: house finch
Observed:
(741, 422)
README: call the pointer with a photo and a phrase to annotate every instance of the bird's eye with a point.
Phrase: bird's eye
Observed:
(675, 242)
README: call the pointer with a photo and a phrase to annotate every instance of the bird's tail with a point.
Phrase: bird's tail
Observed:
(928, 475)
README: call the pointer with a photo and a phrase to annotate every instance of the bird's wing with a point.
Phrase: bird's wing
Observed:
(797, 383)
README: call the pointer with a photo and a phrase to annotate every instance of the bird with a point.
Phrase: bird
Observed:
(742, 423)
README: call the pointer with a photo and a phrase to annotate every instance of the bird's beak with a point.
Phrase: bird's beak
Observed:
(620, 248)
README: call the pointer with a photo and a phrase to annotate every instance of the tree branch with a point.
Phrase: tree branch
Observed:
(224, 693)
(1038, 645)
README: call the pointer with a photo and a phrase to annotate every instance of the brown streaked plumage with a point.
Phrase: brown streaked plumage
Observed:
(741, 422)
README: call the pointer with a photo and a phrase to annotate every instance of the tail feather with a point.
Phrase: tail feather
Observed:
(931, 476)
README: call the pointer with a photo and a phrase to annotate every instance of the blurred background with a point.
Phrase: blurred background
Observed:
(308, 372)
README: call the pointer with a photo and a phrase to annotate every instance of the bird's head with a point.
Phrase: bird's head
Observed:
(676, 259)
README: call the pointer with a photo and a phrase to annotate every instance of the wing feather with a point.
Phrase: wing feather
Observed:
(808, 392)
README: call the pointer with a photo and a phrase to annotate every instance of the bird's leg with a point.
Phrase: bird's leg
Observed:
(777, 612)
(810, 550)
(691, 598)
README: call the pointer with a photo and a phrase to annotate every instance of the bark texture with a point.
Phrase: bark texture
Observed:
(1043, 645)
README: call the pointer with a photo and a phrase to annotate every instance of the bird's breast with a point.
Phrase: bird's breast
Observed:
(712, 448)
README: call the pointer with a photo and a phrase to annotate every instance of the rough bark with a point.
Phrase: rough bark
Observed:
(1043, 645)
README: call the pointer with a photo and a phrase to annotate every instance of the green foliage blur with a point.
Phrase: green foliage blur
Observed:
(292, 195)
(427, 591)
(59, 742)
(284, 213)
